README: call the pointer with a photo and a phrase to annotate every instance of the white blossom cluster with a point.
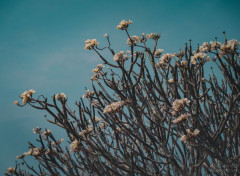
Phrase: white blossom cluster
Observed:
(120, 56)
(197, 56)
(165, 59)
(26, 96)
(182, 117)
(133, 40)
(153, 36)
(179, 105)
(74, 145)
(88, 94)
(189, 135)
(10, 170)
(158, 53)
(97, 72)
(96, 119)
(90, 44)
(230, 47)
(124, 25)
(60, 96)
(113, 107)
(32, 151)
(86, 131)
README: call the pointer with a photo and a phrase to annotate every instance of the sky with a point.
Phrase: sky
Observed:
(42, 48)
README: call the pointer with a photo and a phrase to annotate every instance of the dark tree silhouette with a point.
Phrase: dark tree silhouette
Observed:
(148, 113)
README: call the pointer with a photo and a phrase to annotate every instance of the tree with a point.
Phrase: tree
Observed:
(145, 115)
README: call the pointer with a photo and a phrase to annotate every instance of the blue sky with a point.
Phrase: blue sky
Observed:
(41, 48)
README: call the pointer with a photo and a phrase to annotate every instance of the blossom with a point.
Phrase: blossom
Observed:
(15, 102)
(94, 77)
(179, 104)
(190, 135)
(184, 63)
(120, 56)
(153, 36)
(91, 43)
(113, 107)
(158, 53)
(182, 117)
(133, 40)
(164, 59)
(183, 138)
(11, 170)
(197, 56)
(57, 96)
(171, 80)
(204, 48)
(229, 47)
(88, 94)
(105, 35)
(215, 45)
(100, 66)
(63, 95)
(74, 145)
(124, 25)
(27, 95)
(96, 119)
(47, 132)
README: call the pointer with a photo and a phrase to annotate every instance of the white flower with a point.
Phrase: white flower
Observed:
(182, 117)
(179, 105)
(91, 43)
(63, 95)
(120, 56)
(171, 80)
(124, 25)
(158, 53)
(113, 107)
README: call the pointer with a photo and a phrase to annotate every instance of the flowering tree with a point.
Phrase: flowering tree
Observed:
(145, 115)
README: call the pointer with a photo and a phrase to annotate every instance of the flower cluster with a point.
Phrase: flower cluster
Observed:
(133, 40)
(197, 56)
(32, 151)
(171, 80)
(165, 59)
(189, 135)
(184, 63)
(153, 36)
(124, 25)
(26, 96)
(95, 119)
(158, 53)
(229, 47)
(204, 48)
(60, 96)
(97, 72)
(91, 43)
(113, 107)
(120, 56)
(10, 170)
(179, 105)
(182, 117)
(86, 131)
(74, 146)
(47, 132)
(88, 94)
(215, 45)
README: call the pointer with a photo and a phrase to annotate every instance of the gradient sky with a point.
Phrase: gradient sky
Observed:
(42, 41)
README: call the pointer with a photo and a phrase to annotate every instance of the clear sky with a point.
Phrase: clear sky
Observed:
(42, 41)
